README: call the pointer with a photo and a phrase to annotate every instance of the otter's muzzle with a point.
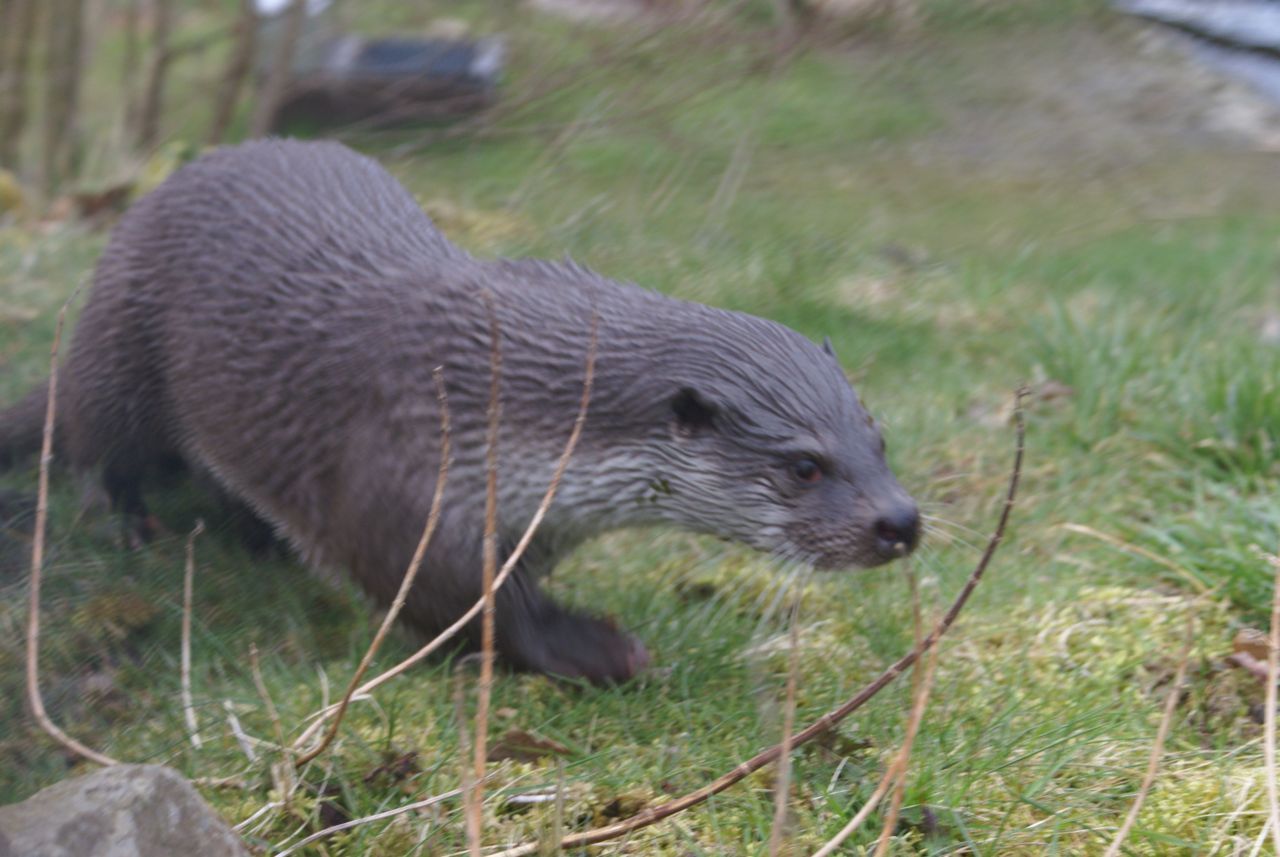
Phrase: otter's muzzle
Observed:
(897, 531)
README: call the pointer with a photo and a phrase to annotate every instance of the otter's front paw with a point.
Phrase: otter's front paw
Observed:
(582, 647)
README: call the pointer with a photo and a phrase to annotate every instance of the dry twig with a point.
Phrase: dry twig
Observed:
(1157, 748)
(242, 738)
(900, 788)
(281, 772)
(826, 722)
(475, 795)
(188, 578)
(356, 822)
(509, 565)
(897, 769)
(37, 566)
(410, 574)
(782, 779)
(1269, 723)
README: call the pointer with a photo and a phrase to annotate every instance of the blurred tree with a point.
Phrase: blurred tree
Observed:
(237, 70)
(281, 67)
(64, 31)
(129, 67)
(17, 22)
(157, 71)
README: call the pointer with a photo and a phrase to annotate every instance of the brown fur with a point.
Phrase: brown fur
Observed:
(272, 314)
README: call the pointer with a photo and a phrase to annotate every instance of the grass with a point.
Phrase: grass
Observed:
(830, 193)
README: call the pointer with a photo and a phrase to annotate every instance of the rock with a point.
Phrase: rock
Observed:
(121, 811)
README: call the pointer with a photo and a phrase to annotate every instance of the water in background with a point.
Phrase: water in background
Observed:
(1239, 37)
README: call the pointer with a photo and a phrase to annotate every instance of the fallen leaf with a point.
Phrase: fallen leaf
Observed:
(524, 746)
(394, 769)
(623, 805)
(1252, 641)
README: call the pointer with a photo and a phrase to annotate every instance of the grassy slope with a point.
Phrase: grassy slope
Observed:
(828, 194)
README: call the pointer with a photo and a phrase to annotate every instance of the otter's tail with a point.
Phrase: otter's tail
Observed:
(22, 426)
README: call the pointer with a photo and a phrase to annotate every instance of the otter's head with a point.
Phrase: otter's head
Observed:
(767, 444)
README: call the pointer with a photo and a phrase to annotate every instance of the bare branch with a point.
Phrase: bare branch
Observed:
(356, 822)
(281, 772)
(782, 779)
(188, 579)
(37, 566)
(1269, 723)
(897, 769)
(475, 795)
(900, 787)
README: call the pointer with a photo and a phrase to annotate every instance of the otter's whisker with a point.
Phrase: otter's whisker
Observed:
(955, 525)
(949, 537)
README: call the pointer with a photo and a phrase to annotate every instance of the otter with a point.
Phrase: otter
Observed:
(272, 314)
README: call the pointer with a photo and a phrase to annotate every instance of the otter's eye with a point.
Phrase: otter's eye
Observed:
(807, 470)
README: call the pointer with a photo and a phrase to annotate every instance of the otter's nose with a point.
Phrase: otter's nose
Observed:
(897, 531)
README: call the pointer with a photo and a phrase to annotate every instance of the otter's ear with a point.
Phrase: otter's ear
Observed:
(827, 347)
(692, 414)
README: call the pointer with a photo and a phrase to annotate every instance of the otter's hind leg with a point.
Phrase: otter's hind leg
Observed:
(122, 478)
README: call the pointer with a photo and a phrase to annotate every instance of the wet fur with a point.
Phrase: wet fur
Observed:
(272, 315)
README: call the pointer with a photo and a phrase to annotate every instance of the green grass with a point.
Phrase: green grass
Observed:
(826, 193)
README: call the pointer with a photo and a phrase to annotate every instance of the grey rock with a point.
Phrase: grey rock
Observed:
(121, 811)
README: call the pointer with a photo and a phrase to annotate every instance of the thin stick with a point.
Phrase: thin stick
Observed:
(242, 738)
(657, 813)
(900, 787)
(1269, 723)
(890, 774)
(1157, 749)
(782, 779)
(475, 796)
(255, 669)
(355, 822)
(897, 770)
(37, 567)
(188, 577)
(511, 561)
(428, 530)
(465, 782)
(281, 772)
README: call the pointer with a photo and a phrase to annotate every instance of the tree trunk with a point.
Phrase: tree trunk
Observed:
(129, 68)
(17, 22)
(237, 70)
(280, 71)
(157, 71)
(63, 34)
